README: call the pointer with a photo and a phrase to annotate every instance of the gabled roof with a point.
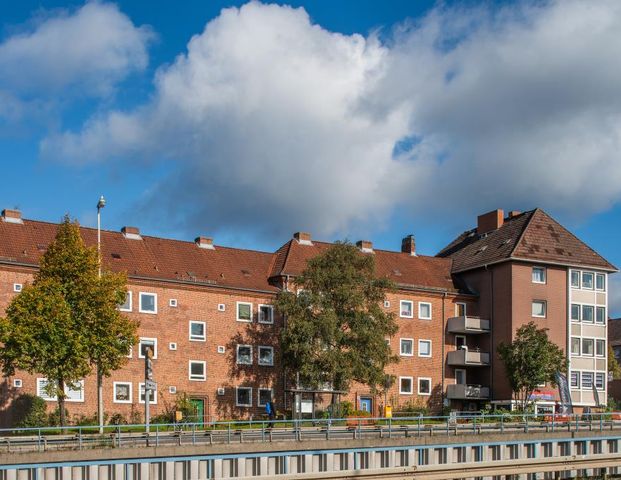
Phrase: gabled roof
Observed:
(151, 257)
(532, 236)
(405, 270)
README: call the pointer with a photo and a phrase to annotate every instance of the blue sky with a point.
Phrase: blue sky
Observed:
(350, 119)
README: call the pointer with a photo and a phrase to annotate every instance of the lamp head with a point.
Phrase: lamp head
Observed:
(101, 203)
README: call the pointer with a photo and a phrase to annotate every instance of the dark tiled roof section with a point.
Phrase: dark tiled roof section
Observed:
(532, 235)
(547, 240)
(470, 250)
(150, 257)
(401, 268)
(614, 331)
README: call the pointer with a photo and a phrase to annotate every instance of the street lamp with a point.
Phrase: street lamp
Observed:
(100, 204)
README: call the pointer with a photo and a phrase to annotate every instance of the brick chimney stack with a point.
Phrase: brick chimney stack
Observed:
(408, 245)
(12, 216)
(132, 233)
(365, 246)
(204, 242)
(303, 238)
(490, 221)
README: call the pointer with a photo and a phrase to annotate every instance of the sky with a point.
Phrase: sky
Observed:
(349, 119)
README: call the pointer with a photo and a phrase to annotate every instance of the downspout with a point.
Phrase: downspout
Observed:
(443, 345)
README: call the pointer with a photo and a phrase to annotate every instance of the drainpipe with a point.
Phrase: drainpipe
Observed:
(443, 344)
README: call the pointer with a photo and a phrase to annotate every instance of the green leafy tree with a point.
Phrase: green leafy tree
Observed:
(530, 360)
(613, 365)
(335, 328)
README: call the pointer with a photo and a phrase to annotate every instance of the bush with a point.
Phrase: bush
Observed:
(53, 419)
(414, 408)
(117, 419)
(31, 411)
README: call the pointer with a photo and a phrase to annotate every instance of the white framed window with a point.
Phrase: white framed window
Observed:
(424, 310)
(172, 346)
(424, 348)
(588, 312)
(172, 303)
(148, 302)
(17, 383)
(406, 385)
(386, 303)
(221, 307)
(575, 312)
(266, 356)
(574, 379)
(145, 343)
(73, 393)
(600, 315)
(406, 348)
(575, 346)
(198, 331)
(599, 380)
(17, 287)
(460, 376)
(575, 279)
(243, 396)
(197, 370)
(127, 305)
(244, 354)
(587, 347)
(460, 309)
(587, 379)
(266, 314)
(263, 396)
(122, 392)
(406, 309)
(539, 308)
(600, 282)
(221, 349)
(587, 280)
(600, 347)
(152, 394)
(244, 312)
(220, 390)
(424, 386)
(172, 389)
(539, 275)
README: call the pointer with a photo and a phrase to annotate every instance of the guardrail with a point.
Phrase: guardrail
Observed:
(240, 431)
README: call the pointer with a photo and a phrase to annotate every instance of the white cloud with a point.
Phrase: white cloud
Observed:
(86, 50)
(277, 124)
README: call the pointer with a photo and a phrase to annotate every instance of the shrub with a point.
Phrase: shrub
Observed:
(31, 411)
(117, 419)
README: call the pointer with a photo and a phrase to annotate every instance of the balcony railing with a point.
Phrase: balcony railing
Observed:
(467, 358)
(467, 392)
(467, 324)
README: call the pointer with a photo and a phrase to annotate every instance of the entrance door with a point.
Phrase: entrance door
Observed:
(198, 409)
(365, 404)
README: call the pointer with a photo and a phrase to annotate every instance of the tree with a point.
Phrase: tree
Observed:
(530, 360)
(614, 368)
(335, 328)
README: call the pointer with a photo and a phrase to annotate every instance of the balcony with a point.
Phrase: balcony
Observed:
(466, 358)
(467, 324)
(467, 392)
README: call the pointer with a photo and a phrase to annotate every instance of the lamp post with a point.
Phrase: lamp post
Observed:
(100, 416)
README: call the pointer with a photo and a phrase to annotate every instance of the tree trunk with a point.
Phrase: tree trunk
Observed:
(61, 403)
(100, 406)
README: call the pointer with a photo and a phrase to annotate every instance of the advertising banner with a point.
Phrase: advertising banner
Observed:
(563, 390)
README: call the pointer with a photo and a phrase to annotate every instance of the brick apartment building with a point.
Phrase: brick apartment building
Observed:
(206, 311)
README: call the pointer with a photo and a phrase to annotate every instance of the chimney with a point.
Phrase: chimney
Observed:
(408, 245)
(12, 216)
(303, 238)
(490, 221)
(204, 242)
(514, 213)
(365, 246)
(133, 233)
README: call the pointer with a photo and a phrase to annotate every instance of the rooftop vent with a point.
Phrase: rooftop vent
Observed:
(514, 213)
(204, 242)
(303, 238)
(365, 246)
(408, 245)
(490, 221)
(132, 233)
(12, 216)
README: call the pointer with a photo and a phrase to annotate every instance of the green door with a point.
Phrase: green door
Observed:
(198, 407)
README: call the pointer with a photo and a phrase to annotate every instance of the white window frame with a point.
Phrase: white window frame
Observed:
(578, 380)
(40, 392)
(172, 389)
(140, 341)
(131, 303)
(172, 346)
(579, 319)
(203, 377)
(411, 392)
(221, 307)
(140, 309)
(427, 379)
(221, 349)
(271, 315)
(265, 347)
(463, 304)
(422, 341)
(603, 377)
(586, 373)
(17, 287)
(401, 340)
(545, 275)
(420, 305)
(237, 404)
(583, 350)
(600, 340)
(583, 274)
(600, 275)
(131, 393)
(386, 303)
(571, 346)
(401, 302)
(237, 355)
(599, 308)
(153, 401)
(172, 302)
(582, 316)
(259, 390)
(202, 338)
(577, 272)
(237, 312)
(18, 383)
(545, 308)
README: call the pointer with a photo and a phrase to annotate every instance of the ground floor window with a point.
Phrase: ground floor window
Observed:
(122, 392)
(424, 386)
(243, 396)
(265, 395)
(152, 394)
(405, 385)
(73, 393)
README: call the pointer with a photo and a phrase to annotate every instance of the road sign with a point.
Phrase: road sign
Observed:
(150, 385)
